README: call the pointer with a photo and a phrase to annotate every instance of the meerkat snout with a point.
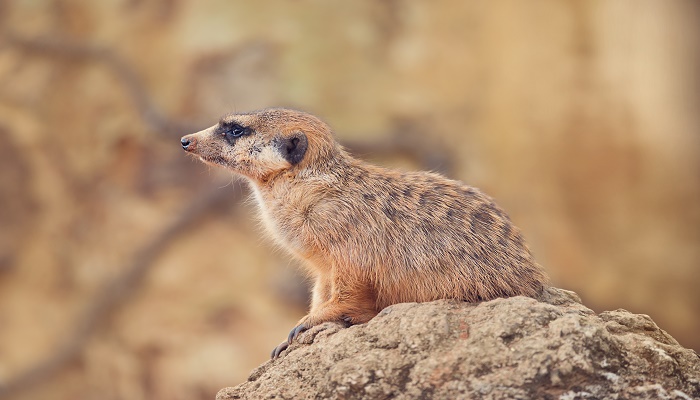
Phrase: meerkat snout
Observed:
(188, 143)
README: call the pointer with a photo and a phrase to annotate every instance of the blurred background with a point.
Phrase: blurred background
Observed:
(131, 271)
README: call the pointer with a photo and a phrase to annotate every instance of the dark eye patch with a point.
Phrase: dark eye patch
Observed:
(232, 131)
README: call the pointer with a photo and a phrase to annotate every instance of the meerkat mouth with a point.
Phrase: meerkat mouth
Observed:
(216, 161)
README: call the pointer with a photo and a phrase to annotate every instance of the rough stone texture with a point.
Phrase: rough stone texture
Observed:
(516, 348)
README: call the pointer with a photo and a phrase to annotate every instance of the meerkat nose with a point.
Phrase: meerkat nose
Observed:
(188, 144)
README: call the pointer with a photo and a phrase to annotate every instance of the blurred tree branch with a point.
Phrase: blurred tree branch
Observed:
(53, 47)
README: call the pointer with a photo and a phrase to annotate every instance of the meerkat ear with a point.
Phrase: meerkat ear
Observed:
(294, 147)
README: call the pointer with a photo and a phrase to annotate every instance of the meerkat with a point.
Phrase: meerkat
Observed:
(369, 236)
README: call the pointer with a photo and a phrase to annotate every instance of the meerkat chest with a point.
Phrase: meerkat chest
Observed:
(284, 220)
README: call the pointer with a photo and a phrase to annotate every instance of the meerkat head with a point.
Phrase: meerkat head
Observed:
(262, 143)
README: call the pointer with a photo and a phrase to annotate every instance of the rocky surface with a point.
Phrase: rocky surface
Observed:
(518, 348)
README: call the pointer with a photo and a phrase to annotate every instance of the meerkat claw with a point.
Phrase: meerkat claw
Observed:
(278, 350)
(296, 331)
(284, 345)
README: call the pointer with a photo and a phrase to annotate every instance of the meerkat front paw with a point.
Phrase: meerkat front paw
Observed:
(303, 326)
(295, 333)
(331, 311)
(299, 328)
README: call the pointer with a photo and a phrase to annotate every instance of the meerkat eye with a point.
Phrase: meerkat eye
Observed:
(233, 131)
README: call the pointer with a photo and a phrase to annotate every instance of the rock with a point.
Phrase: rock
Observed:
(516, 348)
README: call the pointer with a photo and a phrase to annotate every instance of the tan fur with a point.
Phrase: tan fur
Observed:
(371, 236)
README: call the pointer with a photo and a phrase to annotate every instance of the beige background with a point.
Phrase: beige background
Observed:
(130, 271)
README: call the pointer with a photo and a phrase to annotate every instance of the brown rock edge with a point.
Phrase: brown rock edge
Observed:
(518, 347)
